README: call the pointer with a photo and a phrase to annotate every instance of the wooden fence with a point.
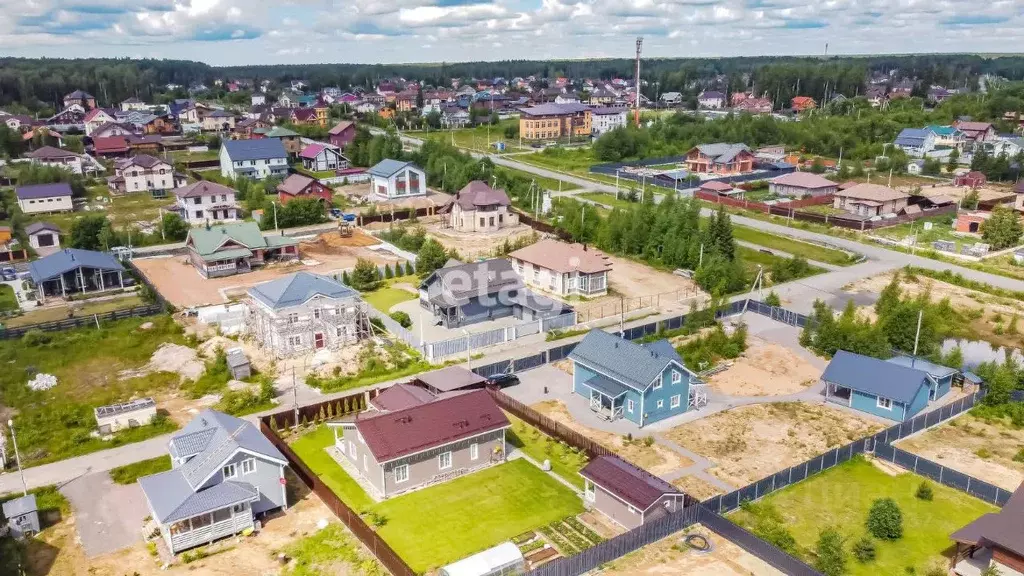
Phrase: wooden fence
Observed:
(79, 321)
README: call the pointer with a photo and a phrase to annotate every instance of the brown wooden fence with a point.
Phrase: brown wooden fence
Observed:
(285, 418)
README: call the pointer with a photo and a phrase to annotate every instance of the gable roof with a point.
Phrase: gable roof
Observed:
(208, 240)
(202, 188)
(874, 376)
(630, 484)
(48, 152)
(110, 144)
(69, 259)
(443, 421)
(401, 396)
(935, 370)
(278, 131)
(912, 136)
(33, 191)
(554, 109)
(563, 257)
(341, 127)
(229, 434)
(35, 227)
(173, 499)
(872, 192)
(716, 186)
(297, 288)
(632, 364)
(294, 184)
(143, 160)
(457, 282)
(1003, 529)
(261, 149)
(387, 168)
(803, 180)
(711, 94)
(478, 193)
(450, 378)
(19, 506)
(721, 152)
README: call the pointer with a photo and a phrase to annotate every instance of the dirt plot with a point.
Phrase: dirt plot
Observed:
(182, 285)
(654, 458)
(765, 369)
(330, 242)
(985, 450)
(696, 487)
(361, 195)
(751, 442)
(473, 245)
(958, 192)
(671, 557)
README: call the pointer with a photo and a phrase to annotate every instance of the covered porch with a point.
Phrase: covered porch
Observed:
(607, 397)
(838, 394)
(209, 526)
(80, 281)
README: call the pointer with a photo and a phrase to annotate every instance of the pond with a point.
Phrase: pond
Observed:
(975, 352)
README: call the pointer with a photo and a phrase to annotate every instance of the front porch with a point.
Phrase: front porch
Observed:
(208, 527)
(972, 561)
(607, 398)
(837, 394)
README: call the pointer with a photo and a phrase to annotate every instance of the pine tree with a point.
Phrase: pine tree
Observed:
(321, 416)
(273, 424)
(346, 406)
(388, 273)
(330, 411)
(344, 278)
(409, 268)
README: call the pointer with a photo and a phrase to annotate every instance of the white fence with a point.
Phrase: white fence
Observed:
(438, 351)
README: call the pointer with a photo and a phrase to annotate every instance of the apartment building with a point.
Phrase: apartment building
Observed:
(555, 121)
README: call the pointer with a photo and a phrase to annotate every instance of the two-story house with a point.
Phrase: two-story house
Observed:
(711, 99)
(320, 157)
(257, 159)
(304, 312)
(720, 158)
(561, 268)
(144, 173)
(480, 208)
(228, 249)
(218, 121)
(642, 383)
(224, 473)
(423, 444)
(607, 119)
(395, 180)
(95, 118)
(916, 142)
(342, 134)
(205, 201)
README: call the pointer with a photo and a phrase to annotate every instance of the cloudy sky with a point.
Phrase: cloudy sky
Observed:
(231, 32)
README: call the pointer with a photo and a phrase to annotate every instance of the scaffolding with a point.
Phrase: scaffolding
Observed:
(302, 330)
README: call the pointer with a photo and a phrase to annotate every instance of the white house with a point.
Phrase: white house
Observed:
(563, 269)
(393, 180)
(671, 98)
(50, 156)
(205, 201)
(253, 158)
(218, 120)
(142, 173)
(606, 119)
(96, 118)
(133, 414)
(567, 99)
(259, 99)
(711, 100)
(133, 103)
(43, 198)
(319, 157)
(43, 237)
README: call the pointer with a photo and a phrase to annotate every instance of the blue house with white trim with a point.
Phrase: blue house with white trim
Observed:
(642, 383)
(897, 389)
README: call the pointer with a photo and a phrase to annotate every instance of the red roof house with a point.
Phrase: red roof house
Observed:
(626, 494)
(110, 146)
(973, 179)
(342, 134)
(802, 103)
(301, 186)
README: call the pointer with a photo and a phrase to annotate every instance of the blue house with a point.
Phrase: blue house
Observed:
(941, 376)
(642, 383)
(880, 387)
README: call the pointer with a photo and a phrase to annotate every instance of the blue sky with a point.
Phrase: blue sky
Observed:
(232, 32)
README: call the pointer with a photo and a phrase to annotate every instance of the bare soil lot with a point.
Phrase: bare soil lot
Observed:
(670, 557)
(973, 446)
(765, 369)
(655, 459)
(751, 442)
(638, 286)
(697, 487)
(182, 285)
(988, 192)
(473, 245)
(361, 195)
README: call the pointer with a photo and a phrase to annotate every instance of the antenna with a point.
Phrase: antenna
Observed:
(636, 109)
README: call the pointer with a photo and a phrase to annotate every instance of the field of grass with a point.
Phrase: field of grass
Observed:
(475, 512)
(792, 246)
(384, 298)
(477, 138)
(751, 258)
(565, 461)
(129, 473)
(545, 183)
(56, 423)
(185, 155)
(841, 497)
(81, 309)
(8, 299)
(607, 199)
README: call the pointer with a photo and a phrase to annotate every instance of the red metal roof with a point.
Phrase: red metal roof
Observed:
(109, 144)
(400, 397)
(404, 432)
(634, 486)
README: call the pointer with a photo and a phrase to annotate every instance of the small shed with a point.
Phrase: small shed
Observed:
(22, 516)
(450, 379)
(238, 364)
(132, 414)
(43, 235)
(504, 559)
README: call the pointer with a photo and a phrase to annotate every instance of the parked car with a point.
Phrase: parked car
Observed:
(8, 273)
(336, 213)
(348, 217)
(503, 380)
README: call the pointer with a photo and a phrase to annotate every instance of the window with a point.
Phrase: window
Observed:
(481, 222)
(199, 213)
(229, 471)
(352, 448)
(340, 331)
(884, 403)
(293, 318)
(676, 377)
(474, 451)
(675, 401)
(629, 406)
(657, 384)
(444, 461)
(197, 200)
(632, 510)
(295, 340)
(366, 467)
(661, 403)
(238, 508)
(316, 313)
(401, 473)
(248, 466)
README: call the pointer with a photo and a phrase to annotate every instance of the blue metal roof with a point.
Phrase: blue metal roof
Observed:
(936, 370)
(70, 259)
(874, 376)
(912, 137)
(973, 378)
(606, 386)
(626, 362)
(173, 499)
(387, 167)
(297, 288)
(261, 149)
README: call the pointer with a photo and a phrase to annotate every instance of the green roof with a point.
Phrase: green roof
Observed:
(227, 254)
(206, 240)
(276, 241)
(279, 132)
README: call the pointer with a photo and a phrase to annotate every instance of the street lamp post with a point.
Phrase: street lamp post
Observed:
(17, 458)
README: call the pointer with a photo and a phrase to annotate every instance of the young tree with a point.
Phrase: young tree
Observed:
(885, 521)
(831, 558)
(85, 231)
(365, 276)
(970, 200)
(174, 228)
(430, 257)
(300, 212)
(388, 273)
(864, 550)
(954, 161)
(1003, 229)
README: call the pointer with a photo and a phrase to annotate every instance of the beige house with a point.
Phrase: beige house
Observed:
(143, 173)
(561, 268)
(480, 208)
(871, 200)
(800, 184)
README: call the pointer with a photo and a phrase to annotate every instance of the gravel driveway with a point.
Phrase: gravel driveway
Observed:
(108, 516)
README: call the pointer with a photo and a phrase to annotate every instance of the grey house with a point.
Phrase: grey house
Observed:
(22, 516)
(627, 494)
(224, 473)
(424, 443)
(461, 294)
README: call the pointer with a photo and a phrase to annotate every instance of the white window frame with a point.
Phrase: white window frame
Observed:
(233, 471)
(676, 377)
(474, 451)
(675, 401)
(248, 466)
(629, 406)
(883, 403)
(352, 448)
(441, 458)
(590, 491)
(658, 383)
(661, 404)
(404, 476)
(293, 318)
(366, 467)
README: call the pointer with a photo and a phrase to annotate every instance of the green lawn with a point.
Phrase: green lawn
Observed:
(841, 497)
(185, 155)
(435, 526)
(545, 183)
(384, 298)
(477, 138)
(438, 525)
(81, 309)
(8, 299)
(792, 246)
(607, 199)
(565, 462)
(129, 473)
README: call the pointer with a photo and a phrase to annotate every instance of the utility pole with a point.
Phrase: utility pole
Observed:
(275, 215)
(17, 458)
(636, 81)
(917, 335)
(295, 400)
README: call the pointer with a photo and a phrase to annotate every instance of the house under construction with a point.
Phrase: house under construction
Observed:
(305, 312)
